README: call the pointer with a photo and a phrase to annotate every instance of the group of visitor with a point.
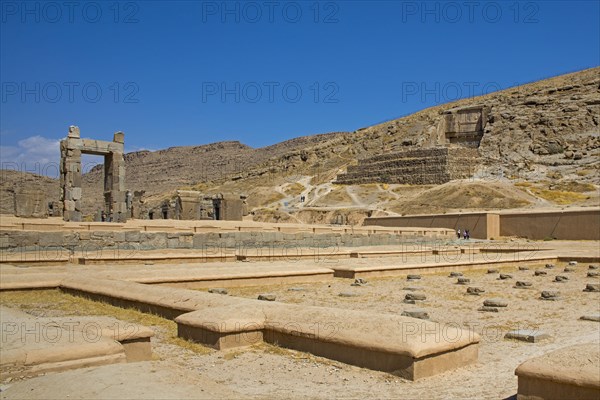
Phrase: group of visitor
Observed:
(466, 234)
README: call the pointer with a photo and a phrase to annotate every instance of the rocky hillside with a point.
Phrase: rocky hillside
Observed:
(543, 137)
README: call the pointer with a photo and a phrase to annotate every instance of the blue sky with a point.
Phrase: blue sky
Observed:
(196, 72)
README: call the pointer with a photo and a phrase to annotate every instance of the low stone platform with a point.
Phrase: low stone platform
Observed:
(385, 342)
(34, 345)
(27, 280)
(569, 373)
(403, 346)
(141, 258)
(466, 262)
(192, 276)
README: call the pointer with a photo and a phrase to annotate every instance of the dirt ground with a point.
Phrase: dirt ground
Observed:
(267, 371)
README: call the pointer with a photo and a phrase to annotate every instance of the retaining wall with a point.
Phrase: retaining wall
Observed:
(536, 225)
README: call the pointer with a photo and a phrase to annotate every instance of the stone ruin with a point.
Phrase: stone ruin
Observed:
(463, 126)
(459, 133)
(229, 208)
(429, 166)
(71, 149)
(136, 204)
(194, 205)
(30, 203)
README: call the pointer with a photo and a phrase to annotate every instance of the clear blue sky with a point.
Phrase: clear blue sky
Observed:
(196, 72)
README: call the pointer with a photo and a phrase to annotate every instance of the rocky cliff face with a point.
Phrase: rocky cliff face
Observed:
(551, 126)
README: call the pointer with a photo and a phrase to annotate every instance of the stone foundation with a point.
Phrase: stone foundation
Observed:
(430, 166)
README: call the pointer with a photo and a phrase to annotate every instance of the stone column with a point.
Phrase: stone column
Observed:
(70, 175)
(117, 181)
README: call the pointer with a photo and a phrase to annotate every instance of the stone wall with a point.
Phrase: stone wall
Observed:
(228, 208)
(189, 204)
(480, 225)
(536, 225)
(562, 225)
(428, 166)
(124, 242)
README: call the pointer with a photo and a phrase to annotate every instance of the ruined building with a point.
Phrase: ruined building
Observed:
(194, 205)
(459, 133)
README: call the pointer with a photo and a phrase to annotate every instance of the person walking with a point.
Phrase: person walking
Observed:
(458, 233)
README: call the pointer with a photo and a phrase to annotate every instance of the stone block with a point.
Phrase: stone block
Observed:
(591, 287)
(416, 313)
(415, 296)
(76, 180)
(75, 193)
(74, 144)
(69, 205)
(132, 236)
(119, 137)
(71, 239)
(73, 132)
(527, 335)
(153, 240)
(475, 290)
(51, 239)
(218, 291)
(495, 303)
(119, 237)
(103, 235)
(85, 235)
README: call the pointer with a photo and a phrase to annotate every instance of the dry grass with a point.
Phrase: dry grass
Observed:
(524, 184)
(562, 193)
(273, 197)
(385, 197)
(338, 195)
(559, 196)
(578, 187)
(68, 305)
(294, 189)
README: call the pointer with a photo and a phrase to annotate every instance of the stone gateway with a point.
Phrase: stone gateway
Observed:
(71, 149)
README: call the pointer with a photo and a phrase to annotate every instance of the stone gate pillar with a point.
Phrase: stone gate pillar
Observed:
(70, 175)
